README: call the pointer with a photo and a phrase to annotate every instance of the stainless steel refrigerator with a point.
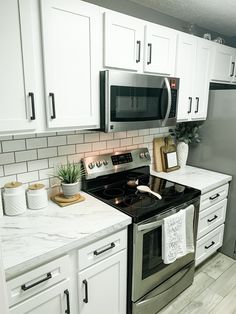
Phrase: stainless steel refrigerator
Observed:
(217, 151)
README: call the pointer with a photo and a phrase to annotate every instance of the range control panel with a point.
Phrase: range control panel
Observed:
(96, 166)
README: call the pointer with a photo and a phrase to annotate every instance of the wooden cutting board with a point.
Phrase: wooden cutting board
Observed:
(157, 144)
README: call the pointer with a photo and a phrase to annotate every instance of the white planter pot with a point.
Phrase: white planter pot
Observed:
(70, 189)
(182, 153)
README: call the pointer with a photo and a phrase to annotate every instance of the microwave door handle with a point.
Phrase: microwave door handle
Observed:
(167, 83)
(150, 225)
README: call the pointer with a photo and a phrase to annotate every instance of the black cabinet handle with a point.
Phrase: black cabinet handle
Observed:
(67, 293)
(233, 66)
(210, 220)
(112, 245)
(53, 116)
(85, 300)
(150, 53)
(214, 197)
(31, 95)
(24, 287)
(190, 104)
(207, 247)
(139, 51)
(197, 99)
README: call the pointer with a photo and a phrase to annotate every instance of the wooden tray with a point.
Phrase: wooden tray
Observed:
(62, 201)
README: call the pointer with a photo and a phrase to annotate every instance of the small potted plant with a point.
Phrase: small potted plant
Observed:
(185, 133)
(70, 176)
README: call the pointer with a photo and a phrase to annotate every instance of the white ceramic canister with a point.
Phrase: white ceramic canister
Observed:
(37, 197)
(14, 199)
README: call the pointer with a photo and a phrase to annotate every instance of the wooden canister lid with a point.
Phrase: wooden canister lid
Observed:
(11, 185)
(36, 186)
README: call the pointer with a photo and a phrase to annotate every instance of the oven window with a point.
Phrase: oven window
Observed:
(152, 253)
(137, 103)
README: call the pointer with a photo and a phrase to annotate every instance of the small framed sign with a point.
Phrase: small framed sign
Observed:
(169, 156)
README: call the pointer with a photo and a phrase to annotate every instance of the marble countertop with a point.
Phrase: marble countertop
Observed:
(201, 179)
(37, 236)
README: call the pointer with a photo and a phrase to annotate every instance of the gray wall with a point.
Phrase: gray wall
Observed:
(139, 11)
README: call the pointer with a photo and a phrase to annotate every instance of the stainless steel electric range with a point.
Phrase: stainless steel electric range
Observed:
(113, 178)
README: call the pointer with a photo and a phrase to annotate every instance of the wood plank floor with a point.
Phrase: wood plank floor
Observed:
(213, 290)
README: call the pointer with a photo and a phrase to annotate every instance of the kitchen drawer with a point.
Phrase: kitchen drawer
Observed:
(101, 249)
(211, 217)
(37, 280)
(214, 196)
(208, 244)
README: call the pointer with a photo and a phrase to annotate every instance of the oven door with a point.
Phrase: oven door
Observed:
(147, 253)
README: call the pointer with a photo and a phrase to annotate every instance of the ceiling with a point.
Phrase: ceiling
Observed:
(215, 15)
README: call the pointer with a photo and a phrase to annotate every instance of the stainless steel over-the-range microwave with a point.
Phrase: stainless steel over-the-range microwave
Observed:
(131, 101)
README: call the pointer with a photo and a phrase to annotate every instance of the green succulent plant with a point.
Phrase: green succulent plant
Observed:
(187, 132)
(70, 173)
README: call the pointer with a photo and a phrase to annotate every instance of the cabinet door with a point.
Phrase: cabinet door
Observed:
(224, 63)
(17, 89)
(202, 79)
(71, 39)
(123, 42)
(185, 69)
(102, 287)
(160, 49)
(55, 300)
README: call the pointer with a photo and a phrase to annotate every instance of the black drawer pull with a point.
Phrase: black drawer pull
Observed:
(85, 300)
(233, 66)
(210, 220)
(31, 95)
(67, 293)
(214, 197)
(53, 116)
(197, 108)
(139, 51)
(207, 247)
(112, 245)
(24, 287)
(190, 104)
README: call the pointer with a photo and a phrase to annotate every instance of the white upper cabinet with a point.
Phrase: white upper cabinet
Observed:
(160, 49)
(224, 64)
(72, 37)
(136, 45)
(17, 81)
(123, 41)
(193, 67)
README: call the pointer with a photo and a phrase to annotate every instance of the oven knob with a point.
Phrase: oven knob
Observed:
(147, 155)
(99, 163)
(91, 165)
(141, 155)
(105, 162)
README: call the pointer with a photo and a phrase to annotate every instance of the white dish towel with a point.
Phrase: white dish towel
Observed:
(177, 235)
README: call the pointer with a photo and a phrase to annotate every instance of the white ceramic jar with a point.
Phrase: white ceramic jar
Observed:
(37, 197)
(14, 199)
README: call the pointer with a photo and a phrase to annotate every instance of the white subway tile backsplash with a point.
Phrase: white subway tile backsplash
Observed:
(148, 138)
(106, 136)
(75, 158)
(23, 136)
(91, 137)
(66, 150)
(96, 153)
(113, 143)
(75, 139)
(37, 164)
(0, 147)
(57, 161)
(138, 140)
(46, 134)
(1, 171)
(7, 179)
(119, 135)
(26, 155)
(82, 148)
(46, 173)
(28, 177)
(36, 143)
(56, 140)
(154, 131)
(99, 145)
(13, 145)
(144, 132)
(106, 151)
(126, 141)
(132, 133)
(47, 152)
(15, 168)
(6, 137)
(7, 158)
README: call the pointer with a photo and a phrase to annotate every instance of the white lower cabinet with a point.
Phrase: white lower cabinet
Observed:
(211, 222)
(55, 300)
(102, 287)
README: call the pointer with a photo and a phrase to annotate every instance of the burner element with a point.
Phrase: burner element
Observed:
(113, 192)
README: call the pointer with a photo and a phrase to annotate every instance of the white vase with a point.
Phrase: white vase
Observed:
(70, 189)
(182, 153)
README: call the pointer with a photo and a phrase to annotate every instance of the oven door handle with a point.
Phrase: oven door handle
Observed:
(150, 225)
(167, 83)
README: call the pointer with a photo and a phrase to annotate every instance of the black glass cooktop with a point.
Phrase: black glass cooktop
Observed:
(120, 190)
